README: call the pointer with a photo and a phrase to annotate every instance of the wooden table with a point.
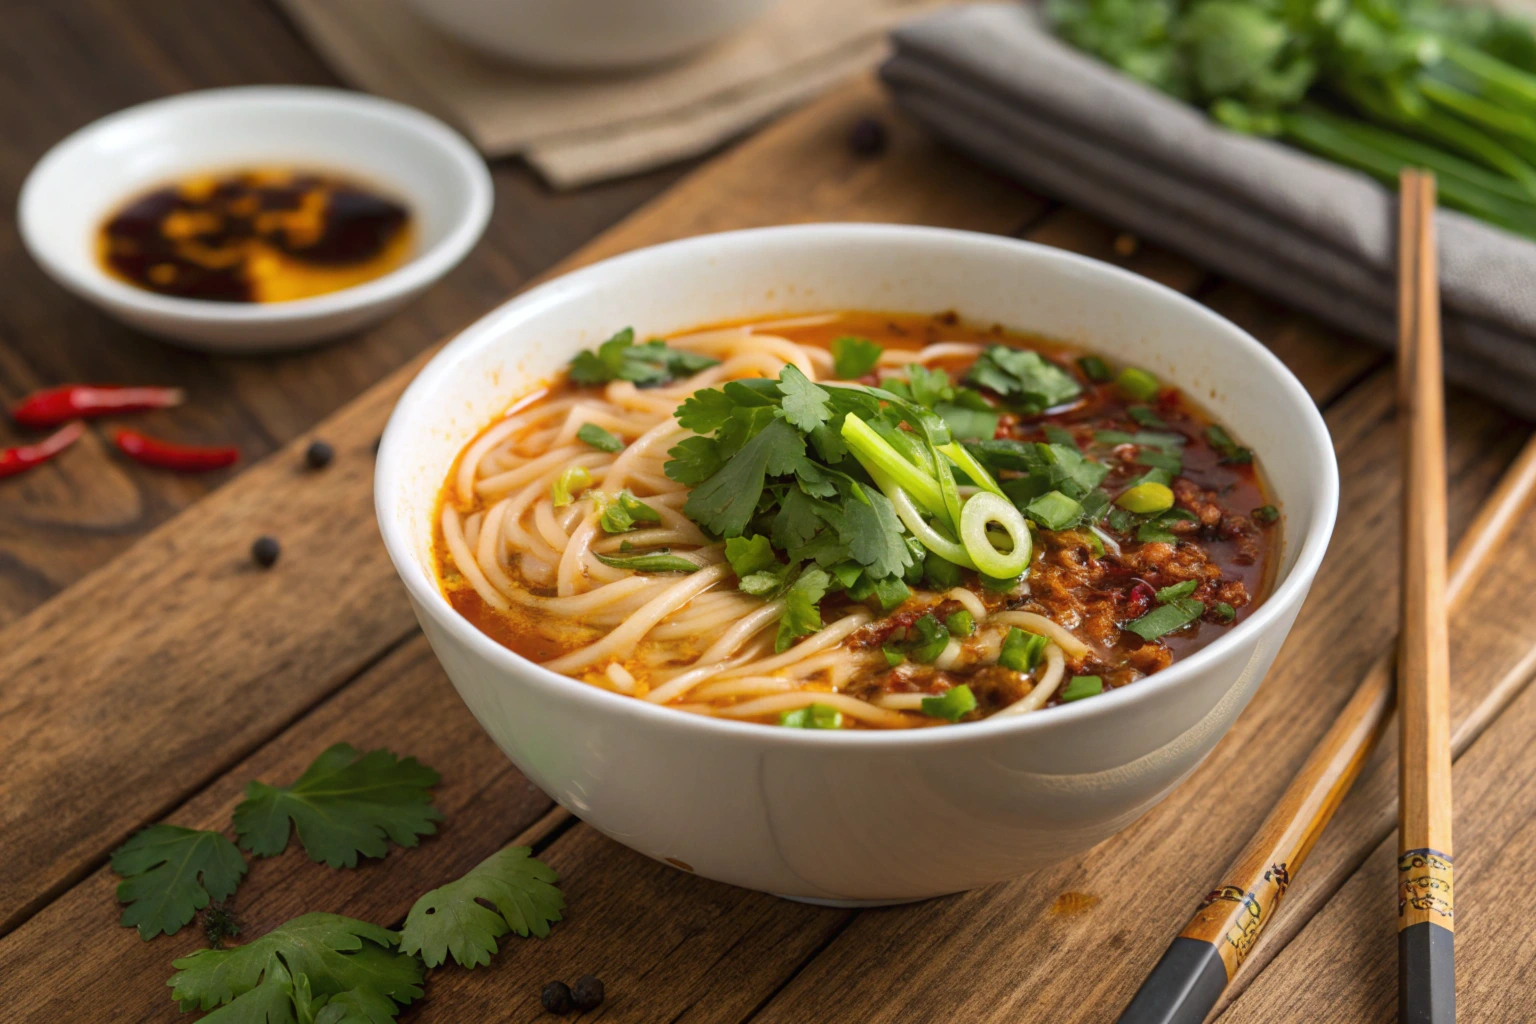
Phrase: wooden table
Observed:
(147, 670)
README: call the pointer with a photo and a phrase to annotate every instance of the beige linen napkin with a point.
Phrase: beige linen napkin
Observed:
(575, 129)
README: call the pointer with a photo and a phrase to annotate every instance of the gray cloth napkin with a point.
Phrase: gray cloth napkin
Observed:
(992, 80)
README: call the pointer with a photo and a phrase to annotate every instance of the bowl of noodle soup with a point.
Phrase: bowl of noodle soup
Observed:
(726, 638)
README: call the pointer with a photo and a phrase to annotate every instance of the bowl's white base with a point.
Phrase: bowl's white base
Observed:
(851, 904)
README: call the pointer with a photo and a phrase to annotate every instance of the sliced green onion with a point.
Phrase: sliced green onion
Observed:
(622, 513)
(984, 508)
(890, 591)
(1224, 612)
(882, 461)
(1147, 498)
(952, 704)
(1001, 585)
(1095, 369)
(1139, 384)
(1059, 435)
(572, 481)
(1144, 416)
(599, 438)
(654, 561)
(971, 467)
(1266, 513)
(932, 539)
(932, 638)
(1082, 686)
(1021, 651)
(1054, 510)
(812, 716)
(1169, 462)
(948, 488)
(960, 623)
(940, 571)
(1230, 450)
(1176, 614)
(1177, 591)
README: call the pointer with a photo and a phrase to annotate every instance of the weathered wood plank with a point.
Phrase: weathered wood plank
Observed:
(1011, 952)
(75, 60)
(203, 629)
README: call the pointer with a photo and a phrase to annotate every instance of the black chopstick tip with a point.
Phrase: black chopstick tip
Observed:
(1426, 974)
(1182, 988)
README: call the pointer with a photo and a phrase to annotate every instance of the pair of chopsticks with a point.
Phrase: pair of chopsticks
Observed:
(1195, 970)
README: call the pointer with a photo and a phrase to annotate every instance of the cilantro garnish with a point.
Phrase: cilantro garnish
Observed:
(457, 918)
(749, 555)
(853, 356)
(725, 503)
(1026, 379)
(170, 873)
(649, 365)
(802, 607)
(345, 804)
(334, 955)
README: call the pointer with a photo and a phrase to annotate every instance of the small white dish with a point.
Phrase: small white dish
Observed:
(845, 815)
(594, 35)
(401, 151)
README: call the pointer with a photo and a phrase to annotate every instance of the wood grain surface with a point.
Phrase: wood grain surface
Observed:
(159, 683)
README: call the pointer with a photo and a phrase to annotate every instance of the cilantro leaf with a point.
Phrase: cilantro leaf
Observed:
(805, 405)
(796, 523)
(965, 423)
(335, 954)
(693, 460)
(274, 1000)
(346, 803)
(647, 365)
(455, 919)
(1024, 377)
(853, 356)
(802, 607)
(170, 873)
(725, 503)
(867, 525)
(929, 387)
(748, 555)
(704, 411)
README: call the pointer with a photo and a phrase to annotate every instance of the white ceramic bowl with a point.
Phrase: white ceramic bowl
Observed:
(589, 35)
(405, 153)
(857, 816)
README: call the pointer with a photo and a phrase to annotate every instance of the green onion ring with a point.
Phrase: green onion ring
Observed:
(934, 541)
(984, 508)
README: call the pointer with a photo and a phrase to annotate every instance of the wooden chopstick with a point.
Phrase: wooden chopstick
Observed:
(1426, 973)
(1187, 982)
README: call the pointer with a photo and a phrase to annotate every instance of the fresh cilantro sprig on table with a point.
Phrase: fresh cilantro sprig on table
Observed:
(170, 873)
(346, 804)
(646, 365)
(457, 918)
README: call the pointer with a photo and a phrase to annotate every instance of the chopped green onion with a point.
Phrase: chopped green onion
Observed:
(1079, 687)
(1154, 476)
(1114, 438)
(877, 456)
(890, 592)
(599, 438)
(812, 716)
(1095, 369)
(1168, 462)
(621, 513)
(893, 657)
(1059, 435)
(1177, 591)
(936, 542)
(572, 481)
(1230, 450)
(952, 704)
(1144, 416)
(1266, 513)
(1094, 542)
(960, 623)
(853, 356)
(654, 561)
(1022, 651)
(979, 511)
(1139, 384)
(1001, 584)
(1054, 510)
(931, 640)
(1146, 498)
(1224, 612)
(940, 572)
(1176, 614)
(971, 467)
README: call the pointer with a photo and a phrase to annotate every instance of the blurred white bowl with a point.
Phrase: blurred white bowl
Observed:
(589, 35)
(418, 159)
(849, 815)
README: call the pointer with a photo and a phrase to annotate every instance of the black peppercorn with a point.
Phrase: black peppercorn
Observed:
(265, 551)
(867, 137)
(587, 993)
(319, 455)
(556, 998)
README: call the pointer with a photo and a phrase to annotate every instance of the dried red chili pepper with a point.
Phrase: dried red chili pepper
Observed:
(60, 405)
(186, 458)
(24, 457)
